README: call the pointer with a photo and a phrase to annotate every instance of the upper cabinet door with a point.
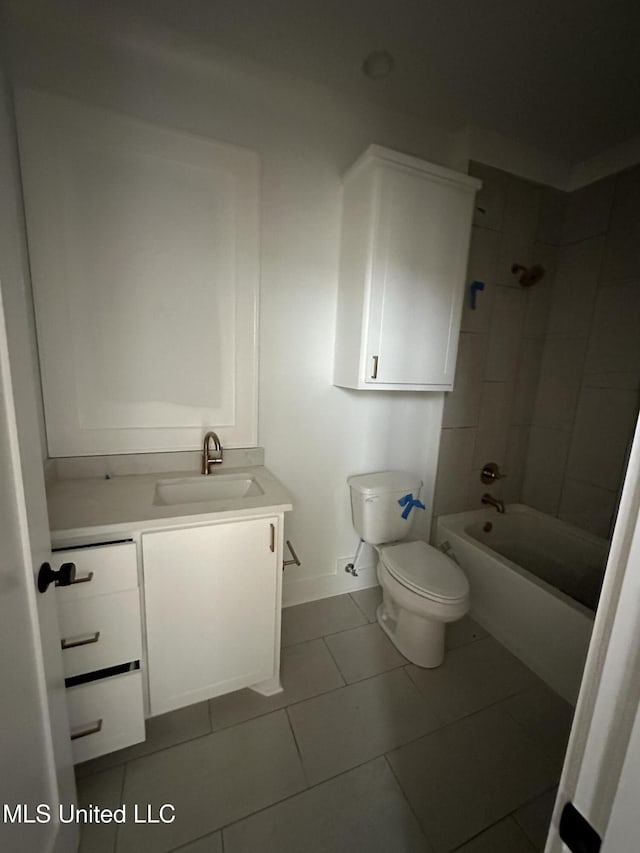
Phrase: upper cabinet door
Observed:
(143, 244)
(406, 230)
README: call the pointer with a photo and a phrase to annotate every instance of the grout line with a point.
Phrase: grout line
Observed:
(311, 787)
(297, 745)
(334, 659)
(210, 716)
(487, 228)
(191, 841)
(358, 606)
(445, 724)
(587, 238)
(406, 799)
(588, 337)
(508, 816)
(330, 634)
(116, 836)
(551, 789)
(125, 761)
(535, 740)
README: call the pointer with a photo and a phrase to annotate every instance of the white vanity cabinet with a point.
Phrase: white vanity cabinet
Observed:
(101, 643)
(406, 226)
(212, 609)
(172, 604)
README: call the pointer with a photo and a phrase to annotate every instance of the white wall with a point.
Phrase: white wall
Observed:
(15, 273)
(314, 434)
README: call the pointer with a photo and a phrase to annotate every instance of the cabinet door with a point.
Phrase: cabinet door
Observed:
(419, 265)
(211, 610)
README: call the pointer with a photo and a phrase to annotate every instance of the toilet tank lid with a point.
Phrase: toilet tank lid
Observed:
(384, 481)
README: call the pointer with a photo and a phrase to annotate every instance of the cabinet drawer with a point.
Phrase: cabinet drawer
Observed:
(100, 570)
(100, 632)
(105, 715)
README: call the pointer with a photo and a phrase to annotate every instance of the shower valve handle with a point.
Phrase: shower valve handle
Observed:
(490, 473)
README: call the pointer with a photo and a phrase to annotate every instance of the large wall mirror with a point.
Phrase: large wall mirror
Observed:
(143, 245)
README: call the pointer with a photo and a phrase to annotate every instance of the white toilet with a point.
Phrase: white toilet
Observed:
(422, 588)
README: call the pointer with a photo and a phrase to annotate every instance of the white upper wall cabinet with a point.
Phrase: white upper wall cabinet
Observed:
(143, 244)
(406, 226)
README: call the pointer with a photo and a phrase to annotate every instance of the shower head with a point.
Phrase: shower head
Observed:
(528, 275)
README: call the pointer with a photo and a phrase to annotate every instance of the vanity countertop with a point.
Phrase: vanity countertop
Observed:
(122, 504)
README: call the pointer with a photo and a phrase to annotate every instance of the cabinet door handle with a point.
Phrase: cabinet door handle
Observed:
(374, 375)
(92, 729)
(84, 579)
(272, 539)
(71, 644)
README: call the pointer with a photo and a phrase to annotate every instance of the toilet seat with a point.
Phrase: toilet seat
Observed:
(426, 571)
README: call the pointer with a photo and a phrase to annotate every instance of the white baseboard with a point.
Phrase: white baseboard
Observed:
(301, 590)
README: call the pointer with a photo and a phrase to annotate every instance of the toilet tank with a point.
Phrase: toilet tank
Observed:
(377, 515)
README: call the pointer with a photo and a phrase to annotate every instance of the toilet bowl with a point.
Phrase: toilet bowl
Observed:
(422, 588)
(422, 591)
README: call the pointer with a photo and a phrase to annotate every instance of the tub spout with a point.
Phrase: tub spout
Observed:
(489, 499)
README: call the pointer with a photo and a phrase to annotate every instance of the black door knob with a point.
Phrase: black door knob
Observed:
(65, 576)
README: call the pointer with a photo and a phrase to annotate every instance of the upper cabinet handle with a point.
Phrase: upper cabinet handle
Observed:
(374, 375)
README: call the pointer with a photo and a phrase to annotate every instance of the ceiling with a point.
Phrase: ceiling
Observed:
(561, 75)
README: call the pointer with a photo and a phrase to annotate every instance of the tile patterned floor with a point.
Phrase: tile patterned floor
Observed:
(362, 750)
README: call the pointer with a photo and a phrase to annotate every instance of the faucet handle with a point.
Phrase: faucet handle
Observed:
(490, 473)
(209, 456)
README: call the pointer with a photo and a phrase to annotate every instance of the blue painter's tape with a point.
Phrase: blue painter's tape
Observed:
(474, 287)
(409, 503)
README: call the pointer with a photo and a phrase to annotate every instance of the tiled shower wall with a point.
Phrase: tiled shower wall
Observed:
(488, 416)
(548, 377)
(587, 399)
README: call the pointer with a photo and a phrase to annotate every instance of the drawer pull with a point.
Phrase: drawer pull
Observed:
(72, 644)
(92, 729)
(84, 579)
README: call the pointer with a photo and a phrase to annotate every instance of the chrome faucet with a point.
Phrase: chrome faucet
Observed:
(489, 499)
(211, 457)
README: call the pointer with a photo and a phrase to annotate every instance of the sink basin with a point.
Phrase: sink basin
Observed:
(213, 487)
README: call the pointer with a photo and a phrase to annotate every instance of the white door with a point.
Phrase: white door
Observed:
(36, 761)
(601, 775)
(35, 754)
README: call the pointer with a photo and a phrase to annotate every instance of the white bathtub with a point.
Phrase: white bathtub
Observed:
(534, 584)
